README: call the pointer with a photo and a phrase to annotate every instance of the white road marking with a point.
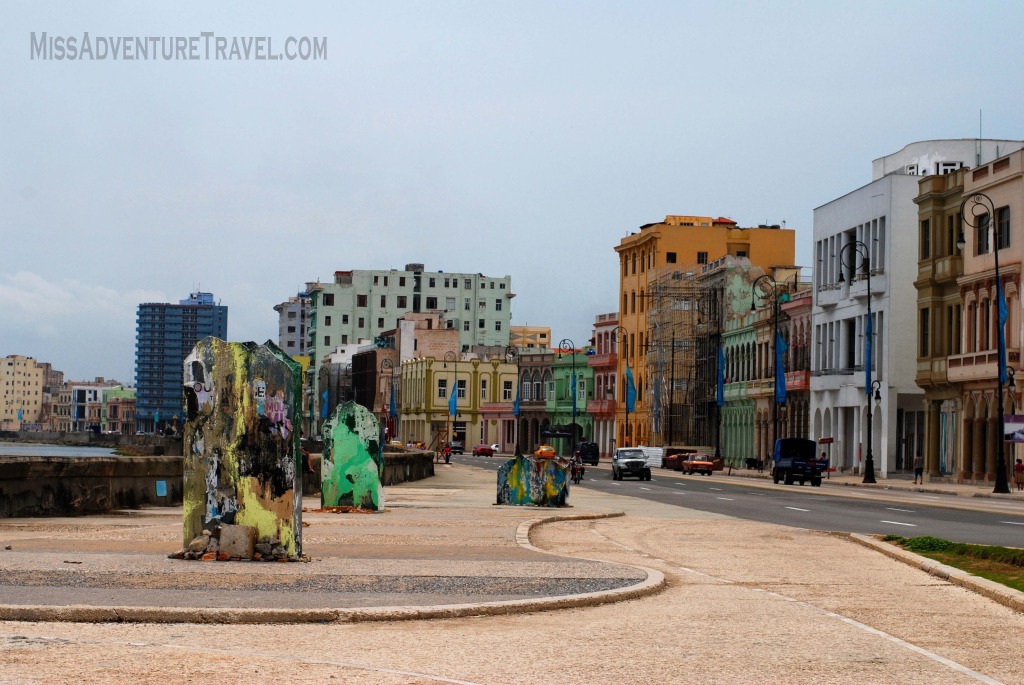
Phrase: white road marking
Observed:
(797, 509)
(899, 523)
(1013, 523)
(929, 497)
(715, 489)
(908, 511)
(643, 488)
(727, 499)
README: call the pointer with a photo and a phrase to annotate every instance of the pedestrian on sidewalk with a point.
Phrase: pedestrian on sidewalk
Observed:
(918, 469)
(1018, 474)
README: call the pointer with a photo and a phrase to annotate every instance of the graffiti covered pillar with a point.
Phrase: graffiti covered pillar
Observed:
(353, 463)
(540, 479)
(242, 459)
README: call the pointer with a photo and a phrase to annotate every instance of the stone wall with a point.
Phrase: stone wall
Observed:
(63, 486)
(156, 445)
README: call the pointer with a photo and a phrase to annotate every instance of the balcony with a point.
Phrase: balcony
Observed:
(979, 366)
(601, 407)
(829, 295)
(797, 381)
(931, 372)
(602, 361)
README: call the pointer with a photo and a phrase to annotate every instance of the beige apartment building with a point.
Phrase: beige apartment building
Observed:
(530, 337)
(22, 381)
(679, 243)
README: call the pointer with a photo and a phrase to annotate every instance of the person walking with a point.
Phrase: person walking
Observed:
(918, 469)
(1018, 474)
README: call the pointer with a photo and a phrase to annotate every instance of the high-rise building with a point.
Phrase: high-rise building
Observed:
(365, 304)
(164, 335)
(22, 381)
(292, 320)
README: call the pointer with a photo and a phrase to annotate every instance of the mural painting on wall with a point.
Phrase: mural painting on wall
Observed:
(242, 469)
(352, 465)
(540, 480)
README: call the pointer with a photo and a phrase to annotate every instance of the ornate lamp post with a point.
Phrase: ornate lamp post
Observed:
(567, 346)
(512, 357)
(453, 400)
(978, 212)
(769, 289)
(855, 256)
(617, 331)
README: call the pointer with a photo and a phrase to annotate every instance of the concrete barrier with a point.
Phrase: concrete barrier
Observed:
(156, 445)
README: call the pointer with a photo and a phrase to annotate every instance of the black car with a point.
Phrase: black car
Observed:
(587, 452)
(458, 447)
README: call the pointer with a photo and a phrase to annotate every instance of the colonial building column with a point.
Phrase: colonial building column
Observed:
(932, 447)
(978, 450)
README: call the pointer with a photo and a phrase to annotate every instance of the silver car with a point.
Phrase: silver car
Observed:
(630, 463)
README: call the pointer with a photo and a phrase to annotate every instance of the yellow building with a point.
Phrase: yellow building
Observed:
(21, 382)
(531, 337)
(678, 243)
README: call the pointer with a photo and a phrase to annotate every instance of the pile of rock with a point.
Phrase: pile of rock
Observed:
(234, 543)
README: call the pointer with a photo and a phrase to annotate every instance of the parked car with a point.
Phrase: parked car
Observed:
(587, 452)
(630, 462)
(458, 447)
(483, 450)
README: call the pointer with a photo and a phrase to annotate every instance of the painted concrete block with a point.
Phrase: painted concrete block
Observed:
(237, 541)
(353, 461)
(528, 480)
(242, 458)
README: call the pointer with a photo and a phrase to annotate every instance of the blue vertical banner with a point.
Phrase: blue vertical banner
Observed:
(394, 403)
(630, 391)
(1004, 314)
(721, 376)
(573, 385)
(453, 399)
(780, 371)
(323, 404)
(869, 337)
(19, 414)
(515, 405)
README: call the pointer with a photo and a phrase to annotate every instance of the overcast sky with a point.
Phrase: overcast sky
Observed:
(520, 138)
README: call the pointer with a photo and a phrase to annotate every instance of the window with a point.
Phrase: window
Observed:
(385, 281)
(449, 304)
(344, 340)
(327, 341)
(431, 303)
(375, 280)
(383, 300)
(982, 231)
(634, 263)
(465, 325)
(497, 305)
(403, 302)
(380, 322)
(502, 286)
(450, 323)
(361, 300)
(702, 257)
(327, 321)
(291, 343)
(497, 325)
(1002, 228)
(401, 281)
(741, 253)
(447, 282)
(923, 335)
(926, 241)
(525, 391)
(482, 304)
(328, 299)
(460, 387)
(344, 319)
(506, 390)
(670, 257)
(482, 324)
(466, 304)
(442, 388)
(291, 315)
(468, 284)
(483, 388)
(291, 329)
(362, 322)
(549, 390)
(432, 282)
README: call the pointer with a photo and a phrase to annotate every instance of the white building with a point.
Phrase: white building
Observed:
(883, 217)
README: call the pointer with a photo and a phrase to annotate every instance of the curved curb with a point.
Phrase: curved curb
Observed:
(1001, 594)
(654, 582)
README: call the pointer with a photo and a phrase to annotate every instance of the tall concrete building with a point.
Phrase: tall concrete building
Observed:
(684, 244)
(877, 222)
(292, 320)
(164, 335)
(366, 303)
(22, 383)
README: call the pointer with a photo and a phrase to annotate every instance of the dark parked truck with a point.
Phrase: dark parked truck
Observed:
(797, 459)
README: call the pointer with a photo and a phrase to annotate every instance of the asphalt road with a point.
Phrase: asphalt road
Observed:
(868, 511)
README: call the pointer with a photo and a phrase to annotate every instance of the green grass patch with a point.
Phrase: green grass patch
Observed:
(1004, 565)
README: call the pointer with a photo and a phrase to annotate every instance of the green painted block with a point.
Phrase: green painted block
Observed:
(353, 462)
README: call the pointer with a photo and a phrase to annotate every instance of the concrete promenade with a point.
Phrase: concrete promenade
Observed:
(661, 594)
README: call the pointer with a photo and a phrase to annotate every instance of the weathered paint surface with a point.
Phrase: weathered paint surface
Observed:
(528, 480)
(353, 463)
(241, 452)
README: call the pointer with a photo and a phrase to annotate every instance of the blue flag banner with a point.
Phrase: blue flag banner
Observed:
(394, 404)
(630, 391)
(721, 376)
(515, 405)
(323, 404)
(19, 414)
(573, 386)
(869, 335)
(1004, 314)
(780, 371)
(453, 399)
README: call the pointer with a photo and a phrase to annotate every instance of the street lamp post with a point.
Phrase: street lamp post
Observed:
(568, 346)
(450, 356)
(625, 358)
(768, 288)
(512, 357)
(855, 255)
(981, 217)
